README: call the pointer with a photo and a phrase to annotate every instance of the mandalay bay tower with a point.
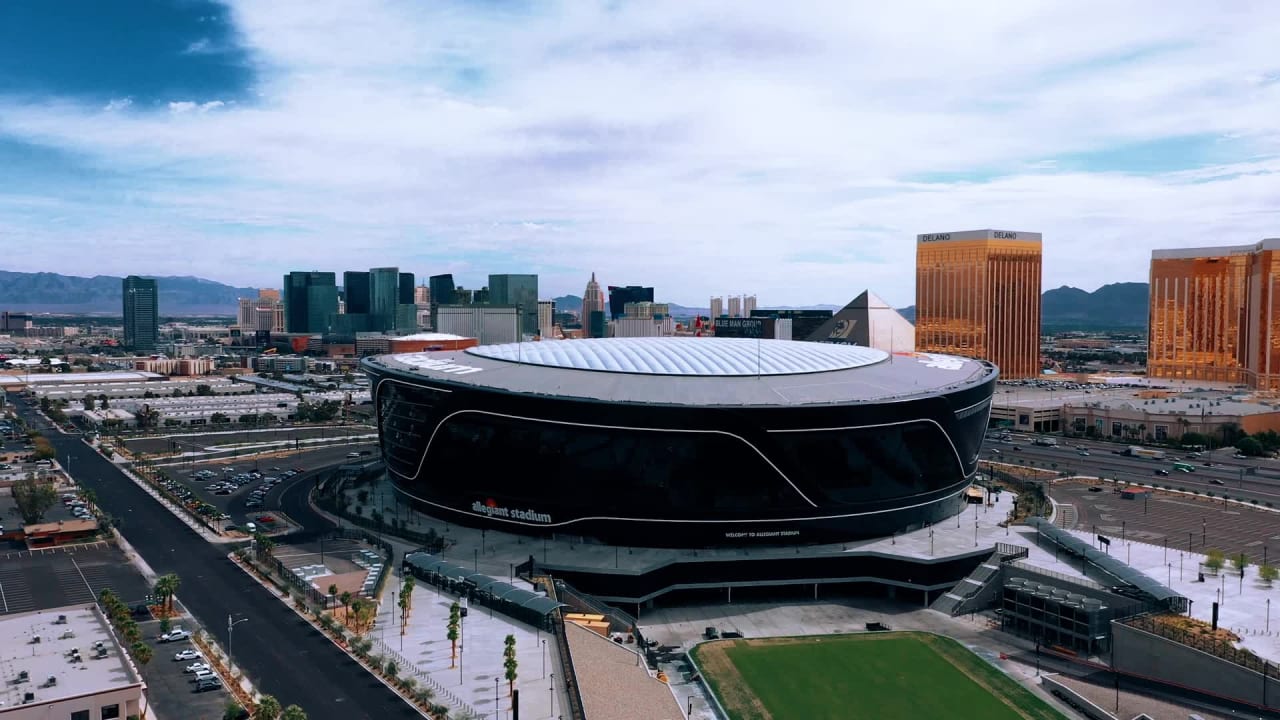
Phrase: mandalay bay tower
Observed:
(978, 295)
(1215, 314)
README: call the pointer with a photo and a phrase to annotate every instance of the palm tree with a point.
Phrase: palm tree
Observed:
(455, 618)
(293, 712)
(333, 593)
(345, 599)
(268, 708)
(141, 652)
(166, 587)
(509, 663)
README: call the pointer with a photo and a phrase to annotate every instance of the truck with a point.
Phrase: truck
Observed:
(1045, 441)
(1148, 453)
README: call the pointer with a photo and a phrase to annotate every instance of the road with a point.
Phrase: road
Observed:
(1263, 485)
(282, 653)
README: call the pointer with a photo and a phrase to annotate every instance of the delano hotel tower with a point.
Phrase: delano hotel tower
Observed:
(978, 296)
(1215, 314)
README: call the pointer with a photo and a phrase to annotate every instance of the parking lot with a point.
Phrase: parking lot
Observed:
(172, 690)
(1183, 520)
(57, 577)
(248, 439)
(239, 492)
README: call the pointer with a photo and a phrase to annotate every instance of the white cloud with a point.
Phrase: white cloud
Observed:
(117, 104)
(703, 148)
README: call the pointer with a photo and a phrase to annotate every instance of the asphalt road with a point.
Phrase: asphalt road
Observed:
(1263, 486)
(283, 654)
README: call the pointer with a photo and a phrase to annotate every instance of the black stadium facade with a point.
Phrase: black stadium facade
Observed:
(683, 442)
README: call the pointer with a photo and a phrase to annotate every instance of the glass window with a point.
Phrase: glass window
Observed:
(873, 464)
(80, 715)
(604, 472)
(110, 711)
(406, 417)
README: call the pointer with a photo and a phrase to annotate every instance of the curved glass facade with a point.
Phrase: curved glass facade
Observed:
(664, 475)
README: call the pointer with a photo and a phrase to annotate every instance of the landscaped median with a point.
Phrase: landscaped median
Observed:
(349, 633)
(880, 676)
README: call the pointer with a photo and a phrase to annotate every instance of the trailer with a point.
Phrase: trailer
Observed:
(1045, 441)
(1148, 453)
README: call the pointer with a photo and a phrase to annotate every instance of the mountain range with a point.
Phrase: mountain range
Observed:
(1119, 305)
(102, 294)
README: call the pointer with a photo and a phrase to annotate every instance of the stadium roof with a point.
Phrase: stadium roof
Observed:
(820, 374)
(686, 356)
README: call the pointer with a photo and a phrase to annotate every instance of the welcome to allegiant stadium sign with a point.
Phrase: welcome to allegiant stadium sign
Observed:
(509, 513)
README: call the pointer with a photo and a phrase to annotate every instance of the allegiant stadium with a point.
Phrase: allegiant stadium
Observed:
(683, 442)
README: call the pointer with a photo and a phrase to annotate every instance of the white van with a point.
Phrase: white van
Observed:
(250, 528)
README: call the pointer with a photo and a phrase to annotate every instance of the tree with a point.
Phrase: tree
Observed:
(1249, 446)
(1268, 573)
(333, 593)
(249, 419)
(166, 588)
(141, 652)
(293, 712)
(263, 543)
(34, 498)
(345, 599)
(392, 669)
(43, 450)
(509, 663)
(233, 711)
(455, 619)
(204, 390)
(88, 402)
(268, 708)
(103, 402)
(366, 612)
(219, 419)
(1191, 438)
(1214, 560)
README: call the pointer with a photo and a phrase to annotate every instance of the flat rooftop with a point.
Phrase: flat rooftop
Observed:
(50, 658)
(693, 371)
(20, 378)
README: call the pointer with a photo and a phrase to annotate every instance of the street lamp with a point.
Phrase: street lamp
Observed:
(553, 693)
(231, 626)
(496, 701)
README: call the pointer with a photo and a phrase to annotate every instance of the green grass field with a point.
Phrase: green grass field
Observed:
(885, 676)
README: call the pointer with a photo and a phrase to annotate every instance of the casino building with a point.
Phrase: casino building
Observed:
(683, 442)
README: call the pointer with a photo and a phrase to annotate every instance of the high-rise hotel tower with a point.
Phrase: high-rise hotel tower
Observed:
(978, 295)
(1215, 314)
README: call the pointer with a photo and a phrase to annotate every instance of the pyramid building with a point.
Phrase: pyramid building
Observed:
(870, 322)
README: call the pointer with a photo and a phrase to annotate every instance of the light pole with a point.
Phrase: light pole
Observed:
(553, 693)
(544, 651)
(231, 626)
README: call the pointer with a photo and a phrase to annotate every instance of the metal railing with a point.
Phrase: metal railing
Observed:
(423, 677)
(1213, 644)
(571, 688)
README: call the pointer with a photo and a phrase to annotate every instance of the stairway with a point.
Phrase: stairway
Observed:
(1066, 518)
(973, 591)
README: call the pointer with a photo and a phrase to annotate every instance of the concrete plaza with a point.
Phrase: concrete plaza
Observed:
(426, 648)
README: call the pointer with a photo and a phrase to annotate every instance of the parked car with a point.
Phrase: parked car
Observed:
(206, 674)
(196, 667)
(186, 655)
(209, 683)
(175, 635)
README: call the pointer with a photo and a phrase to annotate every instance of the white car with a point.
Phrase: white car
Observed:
(175, 635)
(186, 655)
(196, 667)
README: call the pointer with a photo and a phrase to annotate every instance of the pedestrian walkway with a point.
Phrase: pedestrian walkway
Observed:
(479, 661)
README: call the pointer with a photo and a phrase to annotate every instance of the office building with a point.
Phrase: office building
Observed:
(264, 313)
(441, 289)
(355, 292)
(141, 314)
(490, 324)
(620, 297)
(592, 302)
(546, 318)
(644, 319)
(408, 295)
(310, 298)
(1213, 314)
(748, 305)
(735, 306)
(521, 291)
(479, 297)
(870, 322)
(422, 295)
(67, 663)
(978, 295)
(384, 295)
(717, 307)
(804, 323)
(15, 322)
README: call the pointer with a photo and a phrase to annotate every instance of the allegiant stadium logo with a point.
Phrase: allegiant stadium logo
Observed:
(491, 508)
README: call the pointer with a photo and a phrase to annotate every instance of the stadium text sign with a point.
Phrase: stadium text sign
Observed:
(492, 509)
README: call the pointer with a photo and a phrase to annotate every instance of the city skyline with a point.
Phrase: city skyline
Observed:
(736, 149)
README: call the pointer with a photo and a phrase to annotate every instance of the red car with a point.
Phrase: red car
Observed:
(266, 519)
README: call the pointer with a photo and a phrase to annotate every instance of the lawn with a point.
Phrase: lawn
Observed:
(885, 676)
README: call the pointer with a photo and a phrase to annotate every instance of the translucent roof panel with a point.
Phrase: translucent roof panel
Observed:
(686, 356)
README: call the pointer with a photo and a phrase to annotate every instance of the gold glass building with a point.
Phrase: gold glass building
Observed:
(978, 295)
(1214, 314)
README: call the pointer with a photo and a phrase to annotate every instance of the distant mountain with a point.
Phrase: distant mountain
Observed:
(101, 294)
(568, 303)
(1118, 305)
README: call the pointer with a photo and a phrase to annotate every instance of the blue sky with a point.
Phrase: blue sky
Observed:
(704, 148)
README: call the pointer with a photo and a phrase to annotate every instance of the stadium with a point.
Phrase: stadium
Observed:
(683, 442)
